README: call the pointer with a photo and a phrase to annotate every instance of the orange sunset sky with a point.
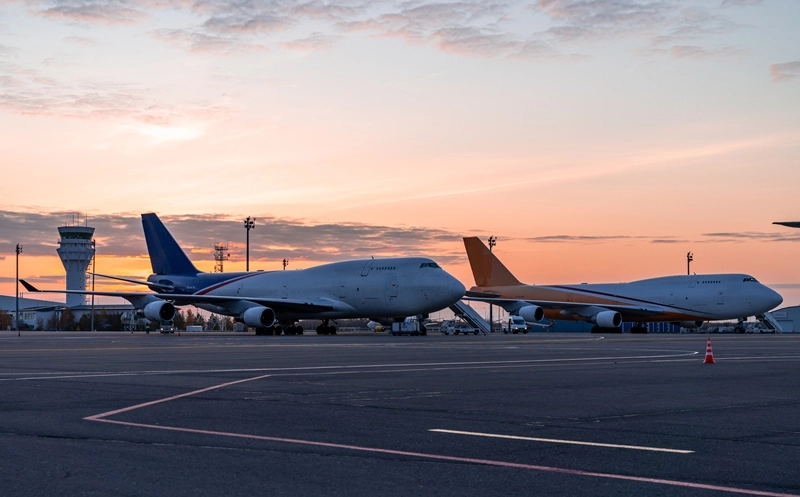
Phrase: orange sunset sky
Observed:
(598, 141)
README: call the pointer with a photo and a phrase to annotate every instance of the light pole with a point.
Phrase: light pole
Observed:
(94, 253)
(689, 259)
(492, 243)
(16, 315)
(249, 224)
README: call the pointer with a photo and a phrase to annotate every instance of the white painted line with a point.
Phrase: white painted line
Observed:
(677, 356)
(423, 455)
(557, 441)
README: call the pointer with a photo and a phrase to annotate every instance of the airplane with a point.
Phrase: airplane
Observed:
(273, 301)
(688, 300)
(789, 224)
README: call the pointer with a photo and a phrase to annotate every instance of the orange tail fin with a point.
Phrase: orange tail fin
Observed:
(486, 268)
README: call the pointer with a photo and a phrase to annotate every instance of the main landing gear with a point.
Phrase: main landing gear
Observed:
(325, 328)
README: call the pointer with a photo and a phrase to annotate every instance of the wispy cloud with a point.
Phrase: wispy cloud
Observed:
(489, 29)
(590, 239)
(746, 236)
(696, 52)
(273, 238)
(94, 12)
(786, 71)
(31, 92)
(739, 3)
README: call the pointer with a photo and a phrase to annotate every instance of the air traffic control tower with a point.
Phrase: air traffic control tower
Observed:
(76, 251)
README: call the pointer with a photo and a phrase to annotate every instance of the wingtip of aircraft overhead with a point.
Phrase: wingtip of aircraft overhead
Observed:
(28, 286)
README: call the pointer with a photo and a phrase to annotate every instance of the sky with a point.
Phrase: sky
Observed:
(598, 140)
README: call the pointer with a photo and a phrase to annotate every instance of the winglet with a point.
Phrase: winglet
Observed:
(29, 287)
(486, 267)
(166, 256)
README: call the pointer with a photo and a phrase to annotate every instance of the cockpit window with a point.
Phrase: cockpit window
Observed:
(751, 279)
(428, 264)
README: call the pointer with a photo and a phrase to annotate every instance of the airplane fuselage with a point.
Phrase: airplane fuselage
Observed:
(378, 288)
(679, 298)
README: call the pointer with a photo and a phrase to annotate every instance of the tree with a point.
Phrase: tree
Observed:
(228, 323)
(39, 324)
(85, 322)
(189, 318)
(199, 320)
(179, 321)
(52, 322)
(67, 321)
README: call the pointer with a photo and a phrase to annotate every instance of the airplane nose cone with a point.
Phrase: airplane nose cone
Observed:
(457, 290)
(774, 299)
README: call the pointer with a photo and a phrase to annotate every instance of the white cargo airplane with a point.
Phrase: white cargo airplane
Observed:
(689, 300)
(273, 301)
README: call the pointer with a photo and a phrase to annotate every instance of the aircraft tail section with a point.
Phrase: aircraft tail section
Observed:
(486, 268)
(166, 256)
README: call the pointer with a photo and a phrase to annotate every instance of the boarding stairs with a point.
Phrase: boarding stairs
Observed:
(468, 314)
(770, 322)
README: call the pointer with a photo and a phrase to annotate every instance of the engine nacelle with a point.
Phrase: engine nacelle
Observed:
(691, 324)
(258, 317)
(531, 313)
(159, 311)
(608, 319)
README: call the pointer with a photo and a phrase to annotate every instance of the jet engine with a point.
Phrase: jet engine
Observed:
(531, 313)
(691, 324)
(258, 317)
(607, 319)
(159, 311)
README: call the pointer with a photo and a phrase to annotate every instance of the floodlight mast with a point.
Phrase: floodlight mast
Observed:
(492, 243)
(16, 315)
(249, 224)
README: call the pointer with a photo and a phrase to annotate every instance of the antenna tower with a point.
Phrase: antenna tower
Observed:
(221, 255)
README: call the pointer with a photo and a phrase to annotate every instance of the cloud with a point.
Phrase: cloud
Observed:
(6, 51)
(599, 239)
(107, 12)
(786, 71)
(695, 52)
(661, 23)
(476, 28)
(315, 41)
(120, 235)
(198, 42)
(759, 236)
(30, 92)
(737, 3)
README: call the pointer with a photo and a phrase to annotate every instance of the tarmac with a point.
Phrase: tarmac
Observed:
(365, 414)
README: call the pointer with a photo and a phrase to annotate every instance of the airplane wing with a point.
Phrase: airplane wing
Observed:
(139, 299)
(153, 286)
(286, 305)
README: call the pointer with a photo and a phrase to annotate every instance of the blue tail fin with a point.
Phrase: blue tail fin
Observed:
(166, 256)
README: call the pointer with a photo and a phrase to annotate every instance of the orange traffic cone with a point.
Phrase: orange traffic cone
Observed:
(709, 355)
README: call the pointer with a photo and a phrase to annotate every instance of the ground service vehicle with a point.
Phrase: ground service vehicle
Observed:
(457, 327)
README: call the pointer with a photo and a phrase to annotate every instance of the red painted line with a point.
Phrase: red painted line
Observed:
(440, 457)
(99, 417)
(437, 457)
